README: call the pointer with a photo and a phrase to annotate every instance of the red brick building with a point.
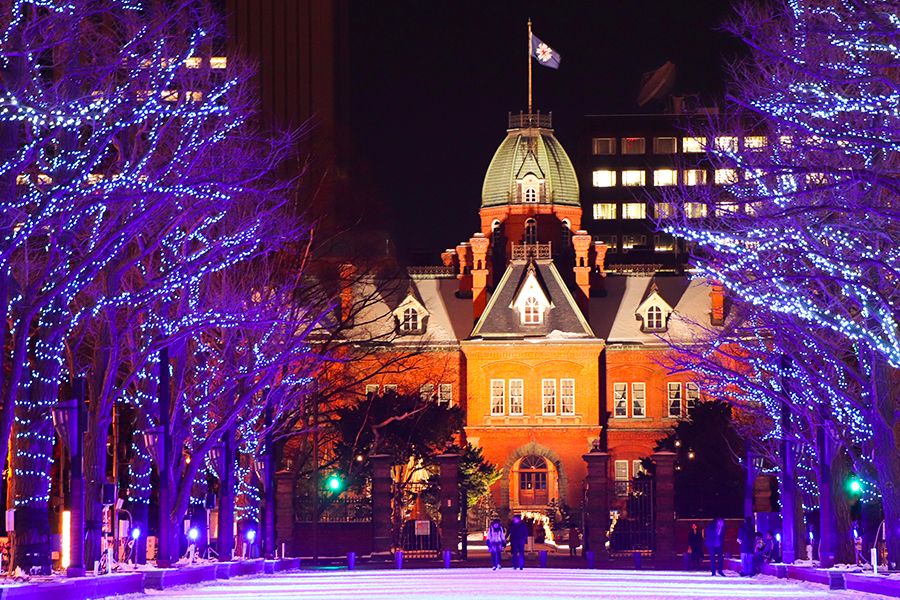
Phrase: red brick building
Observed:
(544, 349)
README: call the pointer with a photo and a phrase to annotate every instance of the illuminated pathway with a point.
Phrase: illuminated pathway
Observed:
(469, 584)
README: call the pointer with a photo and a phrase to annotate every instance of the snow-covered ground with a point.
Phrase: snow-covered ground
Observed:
(469, 584)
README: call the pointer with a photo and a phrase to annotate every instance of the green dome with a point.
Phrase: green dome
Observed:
(530, 150)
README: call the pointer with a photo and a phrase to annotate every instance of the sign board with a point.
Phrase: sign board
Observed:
(423, 527)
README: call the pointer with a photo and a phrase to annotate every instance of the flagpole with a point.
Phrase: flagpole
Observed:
(529, 68)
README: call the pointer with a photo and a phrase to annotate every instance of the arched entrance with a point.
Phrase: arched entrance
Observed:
(534, 482)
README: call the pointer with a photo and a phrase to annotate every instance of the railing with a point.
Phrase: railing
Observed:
(535, 119)
(432, 271)
(530, 251)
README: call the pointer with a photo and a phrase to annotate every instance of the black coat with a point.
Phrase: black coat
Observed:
(518, 533)
(714, 540)
(695, 540)
(748, 539)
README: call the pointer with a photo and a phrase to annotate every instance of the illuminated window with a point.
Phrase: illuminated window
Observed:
(604, 211)
(218, 62)
(390, 387)
(630, 241)
(426, 391)
(817, 179)
(695, 177)
(567, 396)
(665, 177)
(603, 146)
(638, 400)
(445, 394)
(637, 468)
(371, 389)
(532, 313)
(620, 400)
(665, 243)
(727, 143)
(755, 142)
(694, 210)
(726, 208)
(530, 195)
(786, 141)
(548, 396)
(664, 210)
(634, 210)
(665, 145)
(498, 396)
(604, 178)
(692, 395)
(633, 177)
(725, 176)
(516, 396)
(633, 145)
(193, 62)
(674, 399)
(693, 144)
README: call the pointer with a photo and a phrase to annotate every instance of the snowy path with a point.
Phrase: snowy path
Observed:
(469, 584)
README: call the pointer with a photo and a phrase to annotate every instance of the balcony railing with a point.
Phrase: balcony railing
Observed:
(531, 251)
(522, 120)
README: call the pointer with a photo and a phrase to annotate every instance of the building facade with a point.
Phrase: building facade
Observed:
(546, 348)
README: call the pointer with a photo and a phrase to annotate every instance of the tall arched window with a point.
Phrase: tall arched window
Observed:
(654, 318)
(532, 315)
(410, 321)
(531, 231)
(566, 233)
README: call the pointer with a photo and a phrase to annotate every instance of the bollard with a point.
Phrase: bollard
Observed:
(589, 555)
(447, 555)
(398, 558)
(351, 561)
(637, 561)
(542, 559)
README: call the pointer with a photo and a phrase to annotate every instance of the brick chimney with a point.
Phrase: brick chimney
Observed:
(479, 244)
(581, 241)
(448, 257)
(717, 304)
(463, 258)
(599, 277)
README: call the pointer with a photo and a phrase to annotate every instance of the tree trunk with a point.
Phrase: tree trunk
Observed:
(886, 455)
(844, 550)
(94, 477)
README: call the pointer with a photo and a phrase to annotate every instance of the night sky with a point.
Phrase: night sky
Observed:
(432, 81)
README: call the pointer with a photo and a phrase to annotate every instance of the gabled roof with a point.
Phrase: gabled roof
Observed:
(501, 320)
(613, 316)
(653, 299)
(531, 284)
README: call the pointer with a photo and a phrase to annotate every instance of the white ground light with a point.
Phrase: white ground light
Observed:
(468, 584)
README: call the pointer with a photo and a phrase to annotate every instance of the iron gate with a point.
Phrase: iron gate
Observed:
(635, 527)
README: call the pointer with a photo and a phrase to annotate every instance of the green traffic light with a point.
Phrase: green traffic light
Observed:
(334, 483)
(855, 486)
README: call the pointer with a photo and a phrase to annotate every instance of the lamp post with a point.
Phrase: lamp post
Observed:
(159, 446)
(223, 459)
(68, 420)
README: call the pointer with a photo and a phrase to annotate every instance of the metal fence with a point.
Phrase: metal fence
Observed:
(338, 510)
(634, 528)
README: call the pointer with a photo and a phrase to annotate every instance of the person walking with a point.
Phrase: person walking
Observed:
(715, 542)
(574, 542)
(518, 535)
(746, 538)
(496, 541)
(695, 545)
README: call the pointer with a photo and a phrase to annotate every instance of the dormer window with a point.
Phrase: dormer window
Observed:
(533, 313)
(654, 312)
(410, 322)
(530, 188)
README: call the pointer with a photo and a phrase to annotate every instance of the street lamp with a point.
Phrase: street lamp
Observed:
(67, 421)
(153, 440)
(216, 455)
(261, 464)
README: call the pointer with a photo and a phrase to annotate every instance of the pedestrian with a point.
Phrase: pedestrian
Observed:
(574, 542)
(747, 541)
(759, 553)
(496, 541)
(518, 535)
(771, 552)
(695, 545)
(715, 541)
